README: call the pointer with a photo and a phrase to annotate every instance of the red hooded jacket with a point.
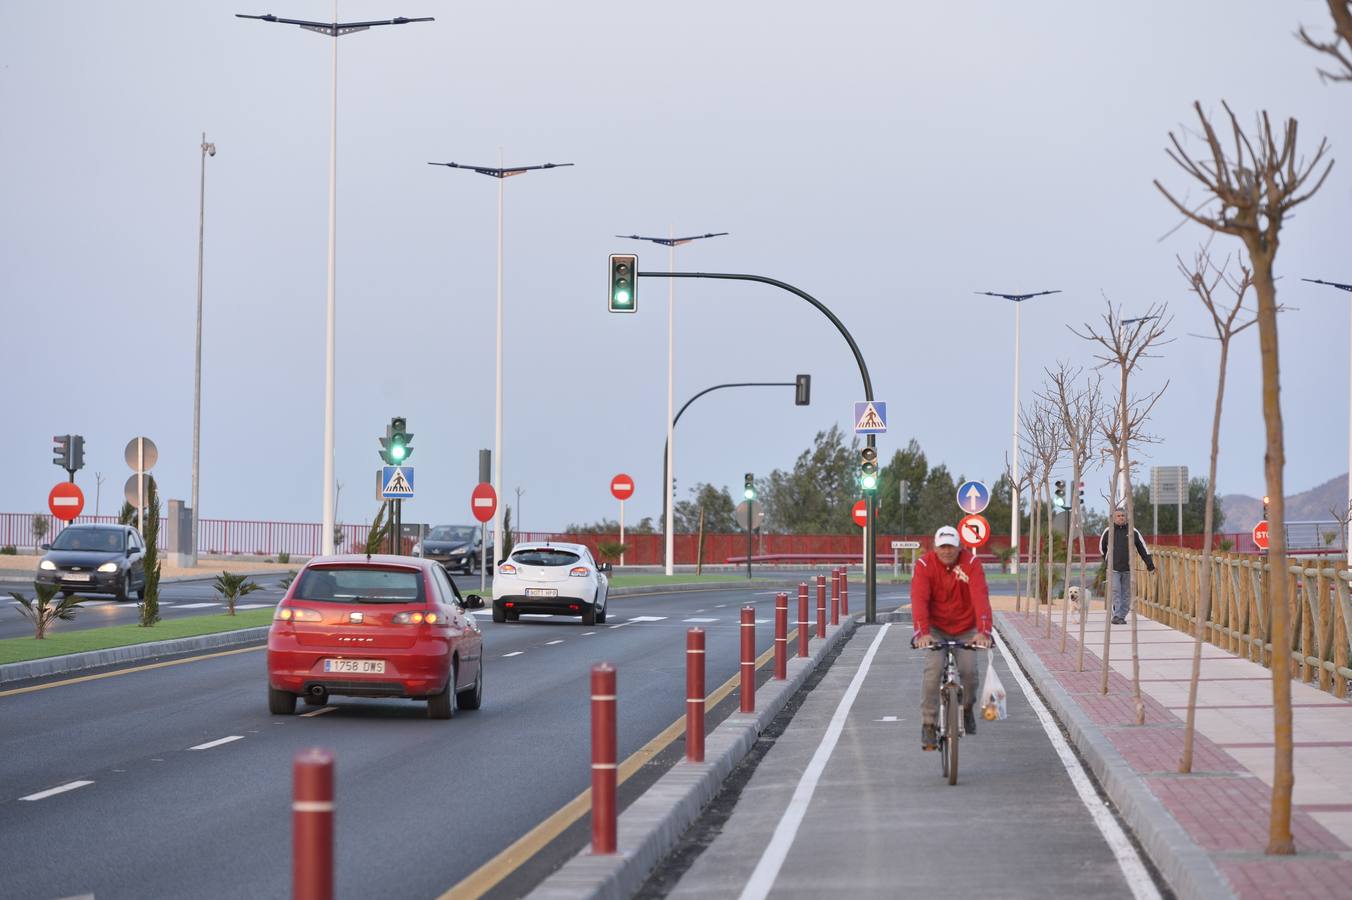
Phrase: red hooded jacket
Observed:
(954, 600)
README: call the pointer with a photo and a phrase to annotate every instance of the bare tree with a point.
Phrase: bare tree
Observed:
(1343, 517)
(1339, 48)
(1042, 440)
(1249, 190)
(1025, 480)
(1204, 278)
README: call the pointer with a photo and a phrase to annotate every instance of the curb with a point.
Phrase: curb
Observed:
(92, 659)
(653, 824)
(1187, 868)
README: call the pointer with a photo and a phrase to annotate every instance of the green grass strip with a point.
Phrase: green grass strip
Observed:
(664, 581)
(59, 643)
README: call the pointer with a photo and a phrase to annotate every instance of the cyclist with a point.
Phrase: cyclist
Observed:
(949, 601)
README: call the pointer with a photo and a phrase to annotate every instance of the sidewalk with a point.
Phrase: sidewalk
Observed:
(1222, 808)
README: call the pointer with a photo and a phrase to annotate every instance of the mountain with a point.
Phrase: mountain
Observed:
(1243, 511)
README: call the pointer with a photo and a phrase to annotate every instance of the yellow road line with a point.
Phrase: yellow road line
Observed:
(145, 668)
(491, 873)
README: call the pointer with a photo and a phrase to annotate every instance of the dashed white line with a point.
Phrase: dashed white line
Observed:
(550, 643)
(199, 605)
(60, 789)
(585, 633)
(216, 743)
(253, 605)
(699, 619)
(646, 618)
(318, 712)
(513, 653)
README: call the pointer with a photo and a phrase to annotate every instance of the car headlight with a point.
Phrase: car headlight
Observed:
(108, 567)
(47, 565)
(459, 551)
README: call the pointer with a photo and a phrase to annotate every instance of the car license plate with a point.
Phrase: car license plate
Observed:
(75, 577)
(355, 666)
(541, 592)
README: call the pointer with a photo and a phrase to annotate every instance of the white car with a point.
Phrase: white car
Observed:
(551, 578)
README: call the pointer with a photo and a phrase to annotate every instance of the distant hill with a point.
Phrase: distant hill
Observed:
(1242, 511)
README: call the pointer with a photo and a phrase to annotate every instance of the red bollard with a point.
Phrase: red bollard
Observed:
(603, 758)
(312, 825)
(821, 606)
(835, 596)
(694, 695)
(844, 590)
(781, 636)
(804, 635)
(748, 659)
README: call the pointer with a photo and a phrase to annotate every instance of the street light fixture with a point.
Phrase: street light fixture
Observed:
(1348, 288)
(501, 173)
(207, 150)
(671, 242)
(335, 30)
(1017, 300)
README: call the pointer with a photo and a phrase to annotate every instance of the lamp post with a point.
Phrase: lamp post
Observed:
(671, 242)
(207, 150)
(1348, 288)
(501, 173)
(1017, 300)
(335, 30)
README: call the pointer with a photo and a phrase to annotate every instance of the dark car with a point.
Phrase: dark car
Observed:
(95, 559)
(459, 548)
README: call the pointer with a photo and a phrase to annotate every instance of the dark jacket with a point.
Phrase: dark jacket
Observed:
(955, 600)
(1121, 557)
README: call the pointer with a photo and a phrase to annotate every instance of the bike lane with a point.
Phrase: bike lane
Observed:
(842, 801)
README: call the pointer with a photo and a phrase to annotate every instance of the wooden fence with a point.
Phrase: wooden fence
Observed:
(1240, 618)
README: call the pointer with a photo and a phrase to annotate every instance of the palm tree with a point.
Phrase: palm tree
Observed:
(231, 588)
(40, 610)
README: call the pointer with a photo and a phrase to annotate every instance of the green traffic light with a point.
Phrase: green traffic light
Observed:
(869, 482)
(749, 494)
(397, 452)
(622, 298)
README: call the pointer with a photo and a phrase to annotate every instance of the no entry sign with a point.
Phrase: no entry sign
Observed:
(622, 487)
(66, 501)
(860, 513)
(483, 502)
(1260, 535)
(974, 531)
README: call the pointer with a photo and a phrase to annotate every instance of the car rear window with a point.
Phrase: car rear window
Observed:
(545, 556)
(360, 584)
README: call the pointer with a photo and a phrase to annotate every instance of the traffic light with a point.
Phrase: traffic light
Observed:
(1059, 501)
(749, 487)
(623, 283)
(397, 444)
(1265, 506)
(802, 390)
(76, 453)
(1081, 495)
(61, 452)
(868, 469)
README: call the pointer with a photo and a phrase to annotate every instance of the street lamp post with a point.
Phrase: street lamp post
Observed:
(1017, 300)
(671, 242)
(207, 150)
(501, 173)
(1348, 288)
(335, 30)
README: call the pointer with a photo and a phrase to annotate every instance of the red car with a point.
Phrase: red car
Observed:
(375, 626)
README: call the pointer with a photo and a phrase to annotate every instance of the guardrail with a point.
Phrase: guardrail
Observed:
(1240, 618)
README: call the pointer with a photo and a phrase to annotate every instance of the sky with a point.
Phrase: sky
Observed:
(889, 158)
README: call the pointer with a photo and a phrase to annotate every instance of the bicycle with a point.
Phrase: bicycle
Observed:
(950, 707)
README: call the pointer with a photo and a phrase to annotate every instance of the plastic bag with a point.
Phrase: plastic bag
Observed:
(993, 695)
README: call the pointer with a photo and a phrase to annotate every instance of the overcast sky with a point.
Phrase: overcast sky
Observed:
(889, 158)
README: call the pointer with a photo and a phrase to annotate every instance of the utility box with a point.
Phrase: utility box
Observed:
(179, 543)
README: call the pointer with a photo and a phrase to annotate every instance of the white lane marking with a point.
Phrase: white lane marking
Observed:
(762, 880)
(198, 605)
(254, 605)
(551, 643)
(763, 621)
(721, 606)
(621, 625)
(646, 618)
(1133, 870)
(699, 619)
(585, 633)
(216, 743)
(318, 712)
(51, 792)
(888, 719)
(513, 653)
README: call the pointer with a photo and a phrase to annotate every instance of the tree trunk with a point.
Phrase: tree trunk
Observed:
(1034, 545)
(1051, 551)
(1070, 532)
(1131, 552)
(1109, 584)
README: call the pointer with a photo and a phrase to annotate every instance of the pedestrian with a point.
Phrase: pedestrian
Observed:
(1120, 571)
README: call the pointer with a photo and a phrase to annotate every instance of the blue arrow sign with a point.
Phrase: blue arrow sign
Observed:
(973, 497)
(396, 482)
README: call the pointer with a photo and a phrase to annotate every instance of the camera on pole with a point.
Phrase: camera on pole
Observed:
(868, 469)
(623, 296)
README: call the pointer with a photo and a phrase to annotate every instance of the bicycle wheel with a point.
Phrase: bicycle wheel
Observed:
(943, 738)
(952, 710)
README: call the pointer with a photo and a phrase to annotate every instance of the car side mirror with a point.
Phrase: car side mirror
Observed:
(474, 601)
(606, 567)
(131, 551)
(44, 546)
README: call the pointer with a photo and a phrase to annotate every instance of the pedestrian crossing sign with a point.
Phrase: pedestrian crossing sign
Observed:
(396, 482)
(870, 417)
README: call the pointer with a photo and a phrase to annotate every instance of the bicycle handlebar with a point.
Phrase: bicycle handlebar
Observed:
(956, 645)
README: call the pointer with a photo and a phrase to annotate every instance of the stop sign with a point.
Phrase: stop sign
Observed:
(860, 513)
(66, 501)
(483, 502)
(622, 487)
(1260, 535)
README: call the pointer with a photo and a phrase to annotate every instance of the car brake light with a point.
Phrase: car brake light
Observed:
(506, 569)
(297, 614)
(509, 604)
(579, 571)
(414, 618)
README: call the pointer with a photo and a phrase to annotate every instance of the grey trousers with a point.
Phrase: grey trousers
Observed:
(934, 671)
(1121, 594)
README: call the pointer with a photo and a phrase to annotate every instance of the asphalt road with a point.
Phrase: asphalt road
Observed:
(421, 803)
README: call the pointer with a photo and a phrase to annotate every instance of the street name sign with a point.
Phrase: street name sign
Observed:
(396, 482)
(870, 417)
(483, 502)
(66, 501)
(974, 531)
(973, 497)
(905, 545)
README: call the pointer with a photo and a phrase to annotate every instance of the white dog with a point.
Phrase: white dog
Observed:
(1073, 596)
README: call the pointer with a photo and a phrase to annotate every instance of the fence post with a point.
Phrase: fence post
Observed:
(835, 596)
(821, 606)
(844, 590)
(781, 636)
(694, 695)
(603, 758)
(803, 634)
(312, 825)
(748, 630)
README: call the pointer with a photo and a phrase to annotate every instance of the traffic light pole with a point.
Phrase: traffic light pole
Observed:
(871, 555)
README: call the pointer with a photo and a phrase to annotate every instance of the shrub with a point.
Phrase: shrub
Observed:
(612, 550)
(41, 611)
(232, 587)
(9, 550)
(283, 558)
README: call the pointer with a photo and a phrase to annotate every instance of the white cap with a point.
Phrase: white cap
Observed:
(947, 537)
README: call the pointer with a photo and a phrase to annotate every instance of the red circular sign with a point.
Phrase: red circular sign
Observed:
(1260, 535)
(974, 531)
(66, 501)
(622, 487)
(483, 502)
(860, 513)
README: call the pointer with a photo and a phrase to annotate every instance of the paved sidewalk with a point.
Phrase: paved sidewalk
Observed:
(1223, 806)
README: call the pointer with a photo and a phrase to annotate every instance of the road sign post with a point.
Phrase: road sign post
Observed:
(974, 531)
(973, 497)
(622, 488)
(66, 500)
(483, 502)
(141, 455)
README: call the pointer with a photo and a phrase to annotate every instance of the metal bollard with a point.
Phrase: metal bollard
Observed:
(694, 695)
(312, 825)
(804, 635)
(781, 636)
(603, 758)
(835, 596)
(844, 590)
(821, 606)
(748, 659)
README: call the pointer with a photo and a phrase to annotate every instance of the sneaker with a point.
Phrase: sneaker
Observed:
(969, 720)
(929, 737)
(1119, 620)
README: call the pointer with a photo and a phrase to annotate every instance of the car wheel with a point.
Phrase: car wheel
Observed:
(589, 614)
(499, 614)
(120, 594)
(600, 615)
(281, 703)
(442, 706)
(473, 698)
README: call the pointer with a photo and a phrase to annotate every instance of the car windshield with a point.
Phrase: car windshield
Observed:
(360, 584)
(106, 540)
(451, 533)
(545, 556)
